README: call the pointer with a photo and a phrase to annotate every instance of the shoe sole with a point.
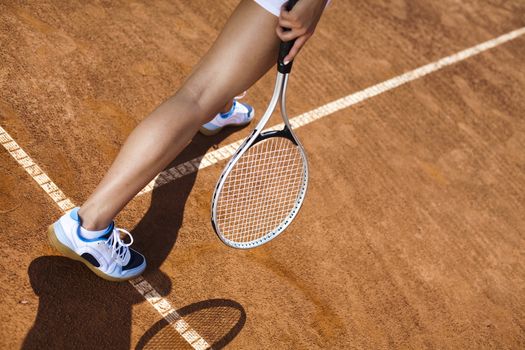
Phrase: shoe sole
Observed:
(66, 251)
(207, 132)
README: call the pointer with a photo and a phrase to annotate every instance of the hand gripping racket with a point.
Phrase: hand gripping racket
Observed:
(263, 185)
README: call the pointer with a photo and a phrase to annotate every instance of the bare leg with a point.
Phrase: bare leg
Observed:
(243, 52)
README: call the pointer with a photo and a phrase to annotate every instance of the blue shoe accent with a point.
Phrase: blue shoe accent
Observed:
(240, 114)
(74, 214)
(250, 109)
(136, 260)
(230, 112)
(91, 259)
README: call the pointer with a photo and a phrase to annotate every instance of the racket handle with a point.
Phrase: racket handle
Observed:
(286, 46)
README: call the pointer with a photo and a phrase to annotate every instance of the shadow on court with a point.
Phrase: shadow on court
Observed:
(217, 320)
(78, 310)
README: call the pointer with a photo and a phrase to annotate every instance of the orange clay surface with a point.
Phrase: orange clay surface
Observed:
(413, 231)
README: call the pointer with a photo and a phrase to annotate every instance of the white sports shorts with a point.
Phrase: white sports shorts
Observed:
(274, 6)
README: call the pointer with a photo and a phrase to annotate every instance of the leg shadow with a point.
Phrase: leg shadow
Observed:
(78, 310)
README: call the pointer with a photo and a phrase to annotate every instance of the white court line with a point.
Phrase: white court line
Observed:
(160, 304)
(227, 151)
(143, 287)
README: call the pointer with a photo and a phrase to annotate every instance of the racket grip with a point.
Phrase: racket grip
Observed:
(286, 46)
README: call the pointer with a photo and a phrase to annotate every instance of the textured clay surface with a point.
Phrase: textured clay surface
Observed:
(413, 230)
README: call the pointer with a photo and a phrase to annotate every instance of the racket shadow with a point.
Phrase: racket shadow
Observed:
(82, 311)
(218, 321)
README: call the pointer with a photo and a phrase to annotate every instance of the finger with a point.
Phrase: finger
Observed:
(297, 46)
(291, 17)
(284, 14)
(285, 23)
(280, 31)
(287, 35)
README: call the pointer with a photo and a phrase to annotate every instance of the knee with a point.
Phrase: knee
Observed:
(203, 101)
(190, 102)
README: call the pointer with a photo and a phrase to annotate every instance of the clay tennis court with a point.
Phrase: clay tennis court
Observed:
(412, 234)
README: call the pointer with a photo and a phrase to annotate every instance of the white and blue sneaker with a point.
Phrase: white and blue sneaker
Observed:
(239, 115)
(108, 256)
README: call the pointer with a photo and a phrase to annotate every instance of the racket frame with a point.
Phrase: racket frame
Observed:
(279, 96)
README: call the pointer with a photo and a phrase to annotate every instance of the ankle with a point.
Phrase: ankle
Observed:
(227, 107)
(91, 220)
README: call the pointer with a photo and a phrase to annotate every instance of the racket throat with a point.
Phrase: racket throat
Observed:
(286, 133)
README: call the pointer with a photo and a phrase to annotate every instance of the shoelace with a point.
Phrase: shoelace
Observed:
(117, 244)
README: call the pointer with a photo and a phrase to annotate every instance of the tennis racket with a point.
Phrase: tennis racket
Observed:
(261, 189)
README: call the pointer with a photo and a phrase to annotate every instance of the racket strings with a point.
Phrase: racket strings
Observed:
(261, 190)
